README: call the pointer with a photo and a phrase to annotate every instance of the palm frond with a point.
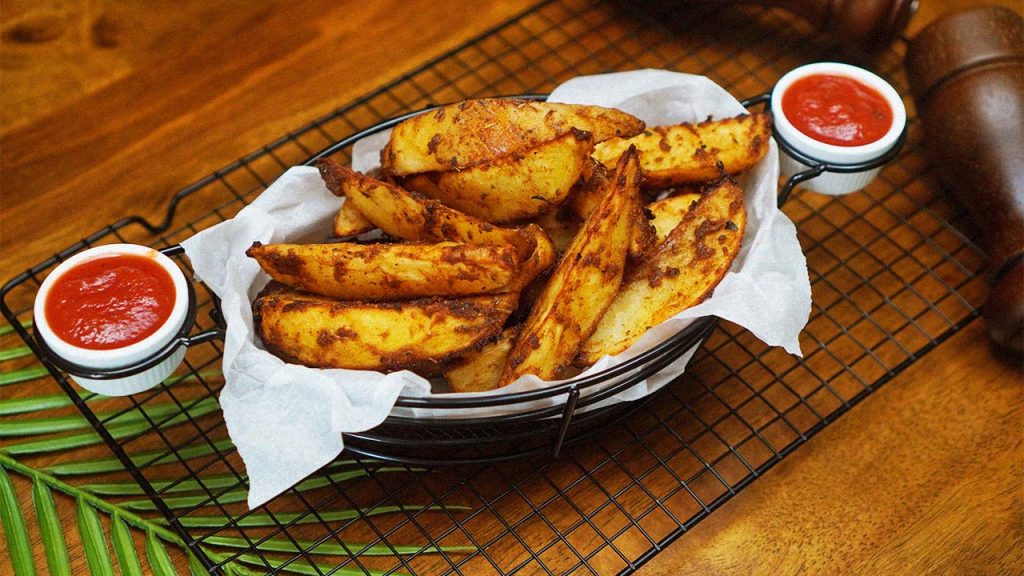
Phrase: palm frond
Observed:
(49, 526)
(124, 547)
(14, 528)
(47, 434)
(93, 540)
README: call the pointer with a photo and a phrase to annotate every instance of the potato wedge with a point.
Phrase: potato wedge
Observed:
(561, 225)
(472, 132)
(403, 215)
(350, 222)
(386, 272)
(512, 187)
(419, 334)
(669, 212)
(678, 273)
(687, 153)
(591, 191)
(480, 369)
(582, 285)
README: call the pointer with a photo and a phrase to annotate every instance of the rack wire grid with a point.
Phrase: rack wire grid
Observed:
(892, 276)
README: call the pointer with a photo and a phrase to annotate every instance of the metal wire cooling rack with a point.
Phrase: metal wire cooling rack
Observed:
(892, 277)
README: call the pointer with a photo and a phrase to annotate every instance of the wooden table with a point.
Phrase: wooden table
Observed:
(107, 107)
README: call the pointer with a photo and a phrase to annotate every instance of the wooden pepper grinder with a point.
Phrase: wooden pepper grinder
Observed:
(966, 72)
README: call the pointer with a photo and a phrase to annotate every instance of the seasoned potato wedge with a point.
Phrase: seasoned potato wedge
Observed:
(561, 225)
(669, 212)
(403, 215)
(382, 272)
(350, 222)
(511, 187)
(473, 132)
(582, 285)
(678, 273)
(387, 336)
(687, 153)
(591, 191)
(480, 369)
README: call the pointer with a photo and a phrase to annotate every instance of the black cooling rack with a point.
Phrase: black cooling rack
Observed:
(892, 277)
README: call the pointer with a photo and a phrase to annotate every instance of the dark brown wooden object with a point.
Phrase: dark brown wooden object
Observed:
(966, 72)
(858, 25)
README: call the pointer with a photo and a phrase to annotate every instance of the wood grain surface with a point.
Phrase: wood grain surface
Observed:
(107, 107)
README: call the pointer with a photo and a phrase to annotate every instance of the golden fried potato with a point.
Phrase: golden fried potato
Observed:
(687, 153)
(680, 272)
(669, 212)
(480, 369)
(511, 187)
(561, 225)
(473, 132)
(583, 284)
(591, 191)
(403, 215)
(418, 334)
(383, 272)
(350, 222)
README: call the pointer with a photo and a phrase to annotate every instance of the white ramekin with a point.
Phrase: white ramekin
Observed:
(835, 183)
(132, 354)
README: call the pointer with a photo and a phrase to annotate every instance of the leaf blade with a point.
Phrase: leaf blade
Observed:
(23, 375)
(142, 459)
(56, 548)
(119, 432)
(124, 547)
(329, 548)
(159, 561)
(14, 528)
(91, 530)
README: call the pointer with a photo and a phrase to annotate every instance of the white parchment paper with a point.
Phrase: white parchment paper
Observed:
(287, 421)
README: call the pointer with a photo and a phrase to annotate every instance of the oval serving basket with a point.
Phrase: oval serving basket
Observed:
(537, 423)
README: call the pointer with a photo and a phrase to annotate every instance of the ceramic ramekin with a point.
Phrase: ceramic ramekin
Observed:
(831, 182)
(72, 357)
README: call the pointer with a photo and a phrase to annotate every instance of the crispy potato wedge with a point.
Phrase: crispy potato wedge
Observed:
(592, 190)
(350, 222)
(561, 225)
(668, 212)
(404, 215)
(418, 334)
(582, 285)
(480, 369)
(678, 273)
(687, 153)
(474, 132)
(385, 272)
(512, 187)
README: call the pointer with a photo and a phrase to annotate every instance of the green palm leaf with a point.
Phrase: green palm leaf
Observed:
(159, 561)
(330, 548)
(124, 547)
(23, 375)
(12, 406)
(49, 526)
(142, 459)
(15, 353)
(64, 432)
(261, 519)
(54, 424)
(15, 529)
(93, 540)
(118, 431)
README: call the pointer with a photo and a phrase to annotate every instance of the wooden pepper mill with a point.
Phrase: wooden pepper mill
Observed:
(966, 72)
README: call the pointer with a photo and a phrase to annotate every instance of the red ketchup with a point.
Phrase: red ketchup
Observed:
(110, 302)
(837, 110)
